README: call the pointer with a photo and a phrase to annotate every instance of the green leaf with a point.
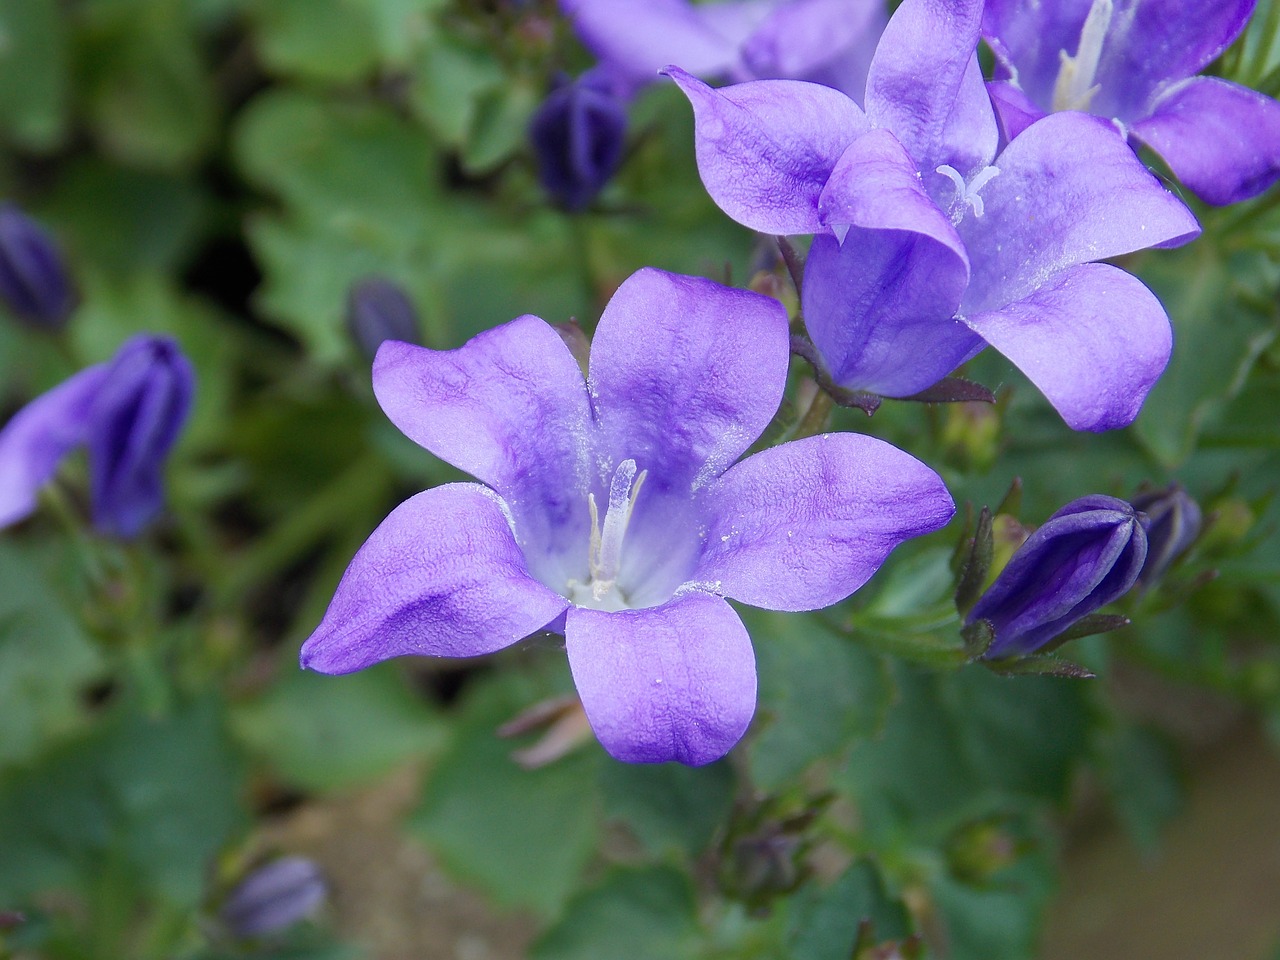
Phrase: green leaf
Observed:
(819, 694)
(325, 733)
(522, 835)
(1146, 790)
(151, 799)
(46, 661)
(33, 73)
(449, 80)
(824, 922)
(640, 914)
(327, 40)
(669, 806)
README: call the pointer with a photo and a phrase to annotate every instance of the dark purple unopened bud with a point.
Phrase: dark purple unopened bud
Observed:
(33, 276)
(1175, 522)
(578, 135)
(1086, 555)
(378, 309)
(274, 897)
(137, 414)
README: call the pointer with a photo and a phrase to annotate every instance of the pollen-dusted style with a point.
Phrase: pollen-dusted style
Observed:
(614, 509)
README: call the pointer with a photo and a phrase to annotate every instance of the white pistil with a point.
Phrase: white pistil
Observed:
(606, 540)
(968, 194)
(1074, 88)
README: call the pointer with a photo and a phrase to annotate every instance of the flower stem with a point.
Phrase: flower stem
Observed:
(815, 418)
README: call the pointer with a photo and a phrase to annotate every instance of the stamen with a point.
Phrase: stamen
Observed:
(606, 539)
(1074, 88)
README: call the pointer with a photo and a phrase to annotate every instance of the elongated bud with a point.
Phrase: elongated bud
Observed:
(378, 309)
(578, 134)
(1175, 522)
(1085, 556)
(274, 897)
(33, 276)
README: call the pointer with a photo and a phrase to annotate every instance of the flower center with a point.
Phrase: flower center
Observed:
(1075, 89)
(967, 194)
(604, 556)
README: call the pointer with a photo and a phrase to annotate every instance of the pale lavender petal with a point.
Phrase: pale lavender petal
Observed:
(1069, 191)
(1093, 339)
(675, 682)
(802, 525)
(1027, 36)
(1221, 139)
(685, 374)
(510, 408)
(925, 85)
(827, 41)
(1014, 109)
(442, 576)
(766, 148)
(34, 442)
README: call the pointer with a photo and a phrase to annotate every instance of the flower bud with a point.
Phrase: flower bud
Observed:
(1086, 555)
(578, 135)
(33, 277)
(274, 897)
(1175, 522)
(378, 309)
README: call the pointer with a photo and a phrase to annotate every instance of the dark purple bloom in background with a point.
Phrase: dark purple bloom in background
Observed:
(1135, 62)
(126, 412)
(33, 276)
(378, 309)
(274, 897)
(1085, 556)
(1175, 523)
(578, 136)
(929, 244)
(615, 510)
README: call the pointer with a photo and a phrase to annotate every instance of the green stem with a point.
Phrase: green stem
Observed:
(816, 417)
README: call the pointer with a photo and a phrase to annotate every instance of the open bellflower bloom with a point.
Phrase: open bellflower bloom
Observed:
(126, 412)
(1135, 62)
(826, 41)
(33, 276)
(578, 135)
(614, 509)
(1085, 556)
(928, 245)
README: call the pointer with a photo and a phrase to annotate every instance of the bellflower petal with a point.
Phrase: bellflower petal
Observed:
(578, 135)
(1085, 556)
(1015, 111)
(34, 282)
(1069, 192)
(766, 148)
(442, 576)
(34, 442)
(676, 682)
(803, 525)
(510, 408)
(1092, 338)
(1221, 139)
(880, 310)
(826, 41)
(1175, 524)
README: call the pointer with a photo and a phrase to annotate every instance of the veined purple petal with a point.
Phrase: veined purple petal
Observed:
(803, 525)
(34, 442)
(766, 148)
(510, 408)
(1014, 109)
(442, 576)
(1069, 191)
(1093, 339)
(827, 41)
(925, 85)
(880, 309)
(675, 682)
(685, 375)
(1221, 139)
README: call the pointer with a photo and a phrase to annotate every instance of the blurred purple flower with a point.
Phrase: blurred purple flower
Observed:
(274, 897)
(613, 511)
(378, 309)
(33, 277)
(578, 136)
(1175, 522)
(929, 245)
(127, 412)
(1135, 62)
(1085, 556)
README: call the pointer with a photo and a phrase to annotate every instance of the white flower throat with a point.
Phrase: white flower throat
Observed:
(604, 556)
(1075, 89)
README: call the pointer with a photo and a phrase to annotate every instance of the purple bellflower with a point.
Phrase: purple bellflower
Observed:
(126, 412)
(1175, 524)
(827, 41)
(578, 135)
(33, 276)
(929, 245)
(1085, 556)
(614, 509)
(274, 897)
(379, 309)
(1135, 62)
